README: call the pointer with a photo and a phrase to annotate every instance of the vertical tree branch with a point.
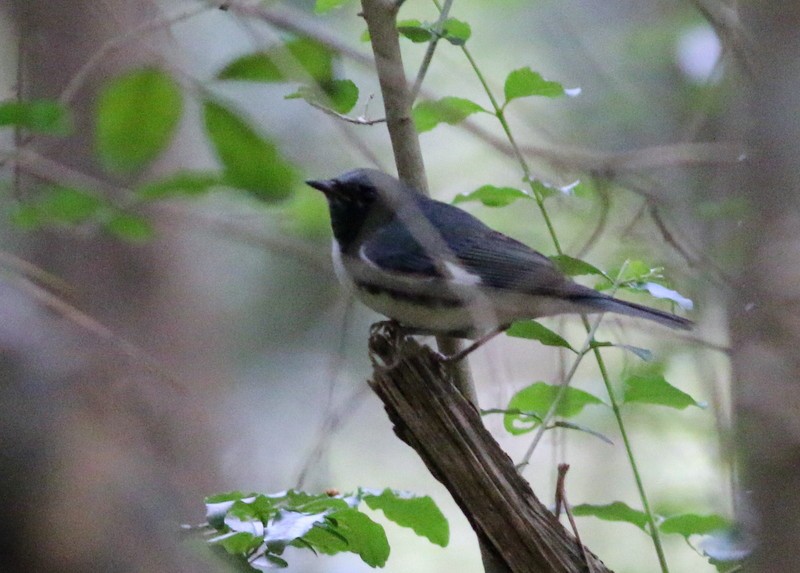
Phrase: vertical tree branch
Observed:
(764, 314)
(381, 17)
(515, 531)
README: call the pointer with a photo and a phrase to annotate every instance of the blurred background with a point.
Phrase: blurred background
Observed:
(221, 354)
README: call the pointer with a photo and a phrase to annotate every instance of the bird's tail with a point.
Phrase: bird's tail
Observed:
(604, 303)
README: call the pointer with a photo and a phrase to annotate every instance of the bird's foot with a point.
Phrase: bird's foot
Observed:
(469, 349)
(394, 335)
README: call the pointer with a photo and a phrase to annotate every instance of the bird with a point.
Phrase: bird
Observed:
(436, 269)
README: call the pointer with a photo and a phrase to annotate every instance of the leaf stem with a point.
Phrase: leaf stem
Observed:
(426, 60)
(651, 520)
(499, 112)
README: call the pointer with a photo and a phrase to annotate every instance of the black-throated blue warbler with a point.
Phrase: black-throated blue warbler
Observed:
(436, 269)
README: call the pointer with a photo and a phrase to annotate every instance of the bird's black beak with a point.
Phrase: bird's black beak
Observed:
(325, 185)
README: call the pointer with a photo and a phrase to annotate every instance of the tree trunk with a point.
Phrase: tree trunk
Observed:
(765, 315)
(102, 452)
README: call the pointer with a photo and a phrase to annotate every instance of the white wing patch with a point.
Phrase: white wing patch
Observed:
(460, 275)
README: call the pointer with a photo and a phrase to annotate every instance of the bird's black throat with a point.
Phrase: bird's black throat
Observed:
(352, 219)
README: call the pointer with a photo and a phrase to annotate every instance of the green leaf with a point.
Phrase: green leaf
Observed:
(637, 270)
(339, 95)
(693, 524)
(297, 59)
(537, 398)
(634, 273)
(324, 538)
(183, 183)
(542, 190)
(616, 511)
(227, 496)
(254, 67)
(43, 116)
(129, 227)
(58, 205)
(452, 110)
(492, 196)
(525, 82)
(218, 505)
(237, 542)
(137, 114)
(419, 513)
(250, 162)
(456, 32)
(343, 95)
(575, 267)
(532, 330)
(266, 561)
(415, 31)
(309, 503)
(26, 217)
(364, 537)
(323, 6)
(244, 510)
(287, 526)
(653, 388)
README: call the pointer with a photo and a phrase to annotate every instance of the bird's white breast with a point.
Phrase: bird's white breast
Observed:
(338, 266)
(420, 314)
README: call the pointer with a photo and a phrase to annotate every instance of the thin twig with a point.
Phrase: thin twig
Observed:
(561, 501)
(237, 229)
(724, 18)
(562, 390)
(48, 169)
(94, 327)
(292, 20)
(578, 159)
(136, 33)
(668, 237)
(355, 120)
(36, 274)
(426, 60)
(602, 221)
(334, 416)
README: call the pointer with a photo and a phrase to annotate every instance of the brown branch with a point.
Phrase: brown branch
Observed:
(293, 20)
(563, 157)
(724, 18)
(36, 274)
(118, 42)
(381, 18)
(445, 429)
(97, 329)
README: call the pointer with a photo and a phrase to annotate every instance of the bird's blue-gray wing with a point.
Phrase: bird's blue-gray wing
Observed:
(497, 260)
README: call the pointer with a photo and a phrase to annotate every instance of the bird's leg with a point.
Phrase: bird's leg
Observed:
(458, 356)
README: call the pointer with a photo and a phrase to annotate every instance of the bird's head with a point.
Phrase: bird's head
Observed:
(361, 199)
